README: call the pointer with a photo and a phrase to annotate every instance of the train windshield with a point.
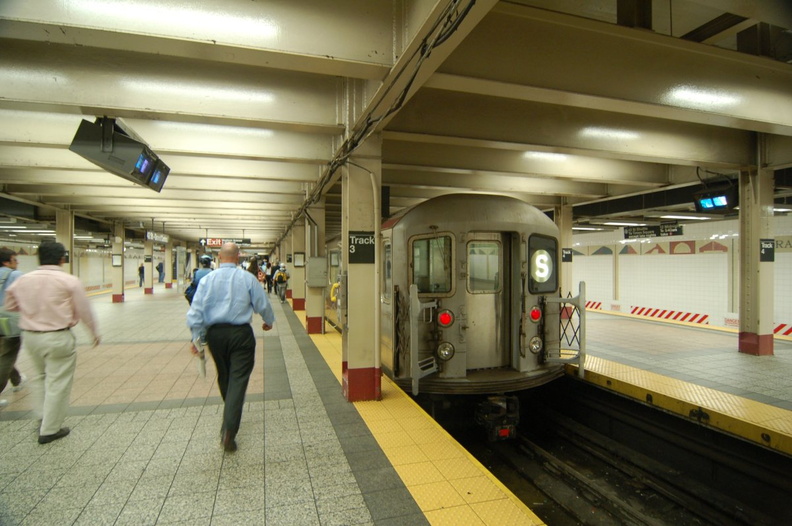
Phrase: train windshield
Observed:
(484, 260)
(432, 264)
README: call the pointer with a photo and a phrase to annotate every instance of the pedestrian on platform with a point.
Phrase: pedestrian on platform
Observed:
(9, 325)
(141, 274)
(51, 302)
(220, 314)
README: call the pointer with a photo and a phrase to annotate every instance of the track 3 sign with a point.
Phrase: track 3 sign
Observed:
(361, 247)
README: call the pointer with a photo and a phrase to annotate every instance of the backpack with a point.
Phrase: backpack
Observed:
(280, 277)
(189, 292)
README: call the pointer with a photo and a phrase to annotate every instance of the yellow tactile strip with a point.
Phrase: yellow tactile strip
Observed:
(448, 484)
(748, 419)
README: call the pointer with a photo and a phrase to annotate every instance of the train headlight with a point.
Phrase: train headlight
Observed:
(535, 344)
(535, 314)
(445, 351)
(445, 318)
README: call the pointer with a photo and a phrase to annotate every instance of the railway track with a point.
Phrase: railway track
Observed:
(595, 459)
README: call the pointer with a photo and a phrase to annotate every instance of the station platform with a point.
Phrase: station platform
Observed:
(144, 447)
(694, 372)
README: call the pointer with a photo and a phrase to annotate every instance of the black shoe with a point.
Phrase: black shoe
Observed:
(46, 439)
(229, 444)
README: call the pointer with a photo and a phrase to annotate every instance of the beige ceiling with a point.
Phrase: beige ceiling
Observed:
(255, 105)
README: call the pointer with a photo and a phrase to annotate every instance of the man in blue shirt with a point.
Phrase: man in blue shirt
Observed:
(10, 341)
(220, 314)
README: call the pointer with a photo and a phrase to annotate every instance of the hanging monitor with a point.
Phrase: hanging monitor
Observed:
(714, 200)
(110, 147)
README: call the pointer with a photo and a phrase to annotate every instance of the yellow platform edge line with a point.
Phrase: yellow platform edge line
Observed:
(753, 432)
(322, 340)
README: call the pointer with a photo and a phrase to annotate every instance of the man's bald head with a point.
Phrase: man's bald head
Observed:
(229, 253)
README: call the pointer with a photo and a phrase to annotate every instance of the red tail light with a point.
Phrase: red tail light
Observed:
(535, 314)
(445, 318)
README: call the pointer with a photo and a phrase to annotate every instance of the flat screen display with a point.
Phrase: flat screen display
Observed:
(158, 176)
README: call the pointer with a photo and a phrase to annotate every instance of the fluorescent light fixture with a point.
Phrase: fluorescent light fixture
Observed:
(589, 228)
(83, 237)
(34, 231)
(156, 88)
(697, 218)
(546, 156)
(618, 223)
(169, 18)
(704, 98)
(782, 209)
(599, 132)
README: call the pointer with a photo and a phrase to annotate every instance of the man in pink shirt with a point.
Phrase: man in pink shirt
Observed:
(50, 303)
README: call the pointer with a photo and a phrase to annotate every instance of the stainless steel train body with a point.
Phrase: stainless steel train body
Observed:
(470, 296)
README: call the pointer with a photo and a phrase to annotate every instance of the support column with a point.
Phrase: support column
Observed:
(756, 268)
(315, 243)
(148, 267)
(64, 234)
(168, 265)
(297, 274)
(359, 232)
(563, 219)
(117, 255)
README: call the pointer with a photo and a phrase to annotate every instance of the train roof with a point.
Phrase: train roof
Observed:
(472, 207)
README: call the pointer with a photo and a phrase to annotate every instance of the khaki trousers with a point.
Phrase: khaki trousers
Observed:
(53, 358)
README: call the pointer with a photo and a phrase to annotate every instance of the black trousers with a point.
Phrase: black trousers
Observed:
(233, 349)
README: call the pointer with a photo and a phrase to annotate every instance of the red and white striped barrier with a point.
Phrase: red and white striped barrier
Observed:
(593, 305)
(783, 330)
(671, 315)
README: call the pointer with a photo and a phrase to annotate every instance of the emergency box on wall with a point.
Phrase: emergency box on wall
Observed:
(316, 272)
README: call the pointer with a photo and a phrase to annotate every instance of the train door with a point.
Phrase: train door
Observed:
(487, 299)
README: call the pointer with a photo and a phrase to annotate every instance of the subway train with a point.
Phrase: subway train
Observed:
(470, 302)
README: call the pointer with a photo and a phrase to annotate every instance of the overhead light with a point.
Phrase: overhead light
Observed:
(34, 231)
(618, 223)
(546, 156)
(590, 228)
(782, 209)
(697, 218)
(601, 132)
(703, 98)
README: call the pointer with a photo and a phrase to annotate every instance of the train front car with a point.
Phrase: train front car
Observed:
(470, 302)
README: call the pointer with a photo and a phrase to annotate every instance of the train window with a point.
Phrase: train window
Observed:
(387, 272)
(543, 263)
(432, 266)
(484, 267)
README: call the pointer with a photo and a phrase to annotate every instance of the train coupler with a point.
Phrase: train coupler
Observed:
(499, 415)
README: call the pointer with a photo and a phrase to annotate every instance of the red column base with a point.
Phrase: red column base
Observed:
(756, 344)
(148, 290)
(298, 303)
(314, 324)
(288, 294)
(169, 285)
(118, 298)
(360, 385)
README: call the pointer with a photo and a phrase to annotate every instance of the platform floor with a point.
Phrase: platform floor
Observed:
(696, 373)
(144, 447)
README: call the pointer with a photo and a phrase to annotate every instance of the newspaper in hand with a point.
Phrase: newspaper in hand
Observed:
(201, 357)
